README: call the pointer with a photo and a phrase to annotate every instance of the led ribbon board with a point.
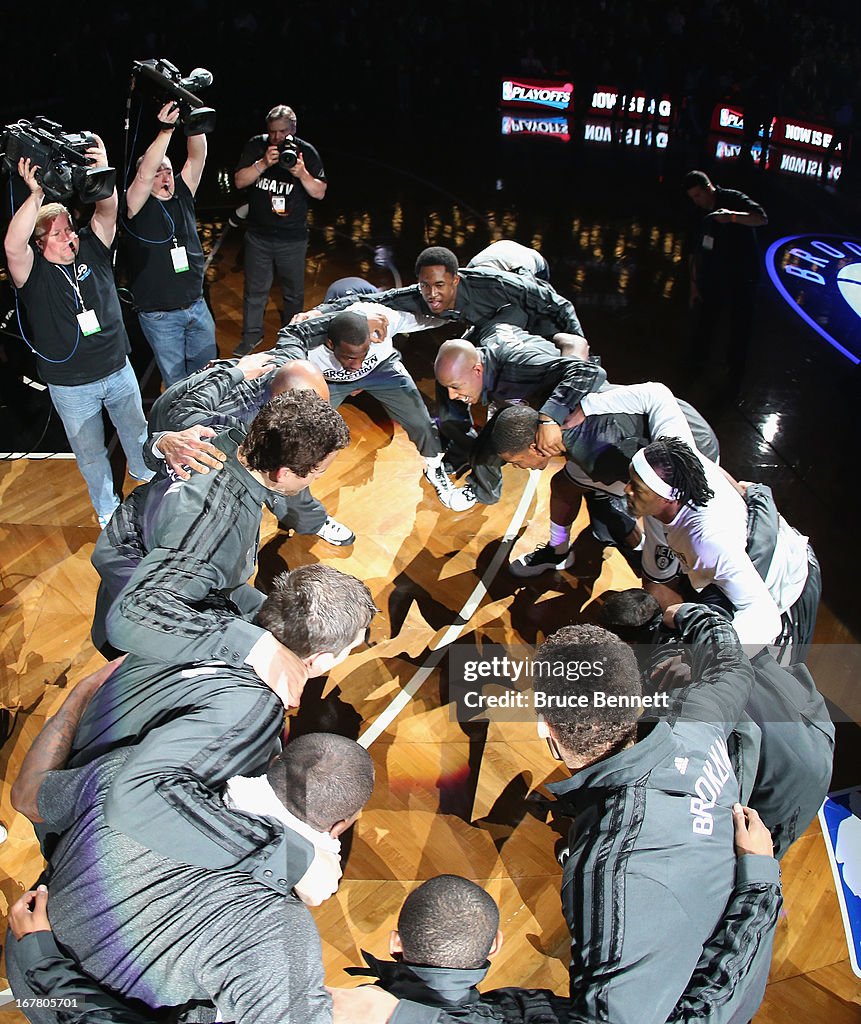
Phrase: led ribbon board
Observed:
(806, 165)
(530, 92)
(728, 149)
(728, 119)
(804, 134)
(605, 133)
(536, 125)
(606, 100)
(819, 277)
(784, 161)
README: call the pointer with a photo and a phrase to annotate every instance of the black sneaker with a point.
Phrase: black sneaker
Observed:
(544, 557)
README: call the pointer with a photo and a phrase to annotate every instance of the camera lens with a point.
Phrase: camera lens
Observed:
(288, 153)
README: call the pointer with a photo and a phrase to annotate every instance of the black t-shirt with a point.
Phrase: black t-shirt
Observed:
(726, 251)
(51, 302)
(274, 185)
(149, 238)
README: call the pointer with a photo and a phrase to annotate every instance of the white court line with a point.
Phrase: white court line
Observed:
(36, 455)
(384, 720)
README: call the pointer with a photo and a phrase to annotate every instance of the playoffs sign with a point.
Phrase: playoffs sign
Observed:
(536, 94)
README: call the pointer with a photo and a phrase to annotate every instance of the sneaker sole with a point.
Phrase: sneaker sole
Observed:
(338, 543)
(519, 569)
(335, 543)
(457, 511)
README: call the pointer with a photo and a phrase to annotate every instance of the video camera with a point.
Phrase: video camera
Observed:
(64, 169)
(165, 81)
(288, 153)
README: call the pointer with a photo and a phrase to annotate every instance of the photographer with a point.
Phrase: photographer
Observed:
(280, 171)
(166, 259)
(65, 281)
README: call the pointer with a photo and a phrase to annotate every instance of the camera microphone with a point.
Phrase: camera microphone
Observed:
(163, 79)
(200, 78)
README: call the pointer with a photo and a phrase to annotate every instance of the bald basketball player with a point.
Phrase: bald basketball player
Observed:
(511, 367)
(229, 395)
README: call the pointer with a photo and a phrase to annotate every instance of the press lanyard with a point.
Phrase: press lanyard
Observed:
(72, 280)
(88, 321)
(178, 254)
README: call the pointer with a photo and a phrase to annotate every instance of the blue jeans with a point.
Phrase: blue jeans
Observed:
(182, 340)
(80, 409)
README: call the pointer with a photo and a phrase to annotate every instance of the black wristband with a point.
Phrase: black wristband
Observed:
(166, 126)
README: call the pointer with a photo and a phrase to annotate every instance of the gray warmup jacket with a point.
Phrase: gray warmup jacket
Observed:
(796, 749)
(519, 367)
(487, 297)
(199, 542)
(652, 864)
(131, 924)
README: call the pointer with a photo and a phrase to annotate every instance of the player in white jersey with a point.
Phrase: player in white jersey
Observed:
(358, 355)
(696, 524)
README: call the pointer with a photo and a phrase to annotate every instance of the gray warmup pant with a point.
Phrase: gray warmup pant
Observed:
(301, 512)
(397, 393)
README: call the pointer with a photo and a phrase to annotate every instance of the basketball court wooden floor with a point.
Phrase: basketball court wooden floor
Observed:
(449, 797)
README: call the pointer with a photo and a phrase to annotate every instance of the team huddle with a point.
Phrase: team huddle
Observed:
(184, 845)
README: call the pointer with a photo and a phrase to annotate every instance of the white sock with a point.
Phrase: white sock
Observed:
(433, 461)
(559, 535)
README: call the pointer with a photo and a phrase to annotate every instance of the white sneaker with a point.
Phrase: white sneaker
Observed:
(544, 557)
(336, 533)
(458, 499)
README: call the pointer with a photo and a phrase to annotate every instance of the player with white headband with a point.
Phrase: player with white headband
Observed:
(696, 523)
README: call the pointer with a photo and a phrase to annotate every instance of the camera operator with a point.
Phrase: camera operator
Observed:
(277, 235)
(65, 281)
(166, 258)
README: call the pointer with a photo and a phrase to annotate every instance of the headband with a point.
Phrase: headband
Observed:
(651, 479)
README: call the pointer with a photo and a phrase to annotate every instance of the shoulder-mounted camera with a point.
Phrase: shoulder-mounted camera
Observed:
(164, 81)
(63, 167)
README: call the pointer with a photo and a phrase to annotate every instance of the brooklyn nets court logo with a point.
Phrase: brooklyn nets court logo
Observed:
(819, 276)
